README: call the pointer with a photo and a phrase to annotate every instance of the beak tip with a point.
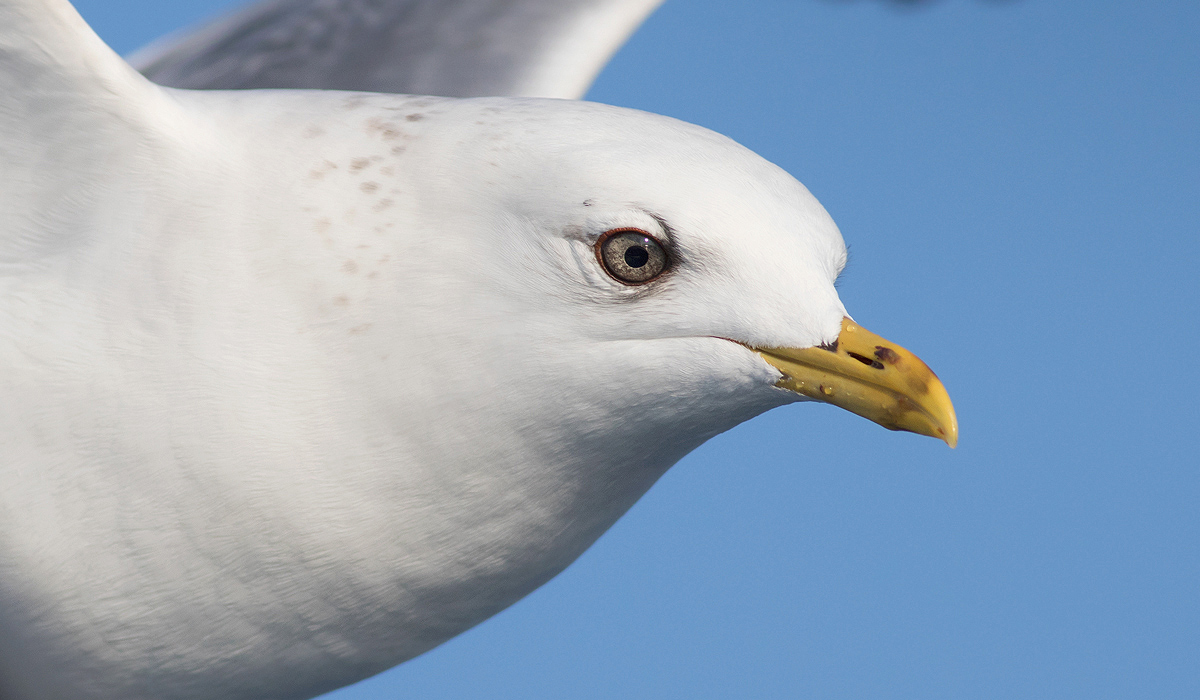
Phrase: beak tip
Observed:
(872, 377)
(950, 434)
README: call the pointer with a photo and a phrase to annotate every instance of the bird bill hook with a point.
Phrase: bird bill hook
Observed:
(872, 377)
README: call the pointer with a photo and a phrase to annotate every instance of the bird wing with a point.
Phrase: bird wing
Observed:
(72, 117)
(455, 48)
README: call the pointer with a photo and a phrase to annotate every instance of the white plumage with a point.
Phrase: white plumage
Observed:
(298, 385)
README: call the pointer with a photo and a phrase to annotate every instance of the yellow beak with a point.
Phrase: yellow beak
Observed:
(865, 374)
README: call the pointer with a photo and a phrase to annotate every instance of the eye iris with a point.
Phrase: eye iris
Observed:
(632, 257)
(636, 256)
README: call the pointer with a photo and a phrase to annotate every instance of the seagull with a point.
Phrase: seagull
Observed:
(298, 383)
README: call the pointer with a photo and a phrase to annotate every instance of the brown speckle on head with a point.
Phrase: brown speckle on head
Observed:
(359, 163)
(340, 300)
(359, 330)
(319, 172)
(397, 150)
(415, 117)
(313, 131)
(387, 130)
(382, 204)
(369, 187)
(322, 225)
(350, 267)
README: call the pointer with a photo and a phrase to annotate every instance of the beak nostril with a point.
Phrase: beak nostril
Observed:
(903, 395)
(865, 360)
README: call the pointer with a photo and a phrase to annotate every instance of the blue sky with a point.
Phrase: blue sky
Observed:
(1019, 183)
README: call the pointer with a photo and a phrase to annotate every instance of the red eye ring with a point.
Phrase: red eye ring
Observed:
(631, 256)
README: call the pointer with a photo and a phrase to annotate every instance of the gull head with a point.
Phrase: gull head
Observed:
(301, 384)
(644, 272)
(435, 347)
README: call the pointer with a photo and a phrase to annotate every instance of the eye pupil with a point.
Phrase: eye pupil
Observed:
(636, 256)
(631, 256)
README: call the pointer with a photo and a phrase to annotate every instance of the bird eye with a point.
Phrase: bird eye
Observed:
(631, 256)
